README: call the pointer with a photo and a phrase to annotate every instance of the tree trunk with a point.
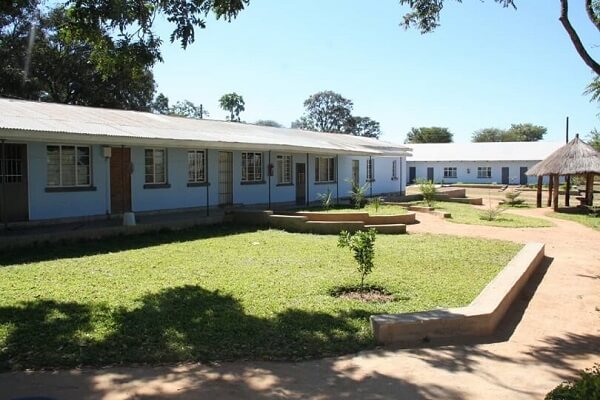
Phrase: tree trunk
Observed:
(589, 189)
(539, 191)
(550, 186)
(555, 193)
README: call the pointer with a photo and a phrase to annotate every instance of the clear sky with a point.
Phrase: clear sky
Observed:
(486, 66)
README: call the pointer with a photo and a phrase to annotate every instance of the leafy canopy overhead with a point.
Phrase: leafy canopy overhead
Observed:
(328, 111)
(432, 134)
(516, 133)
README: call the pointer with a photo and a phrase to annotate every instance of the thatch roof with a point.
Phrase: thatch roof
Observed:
(576, 157)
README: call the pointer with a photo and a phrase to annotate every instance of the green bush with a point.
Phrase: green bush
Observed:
(358, 194)
(326, 199)
(585, 387)
(362, 245)
(376, 202)
(512, 198)
(428, 191)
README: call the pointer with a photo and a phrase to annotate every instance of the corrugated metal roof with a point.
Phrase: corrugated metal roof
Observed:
(497, 151)
(37, 117)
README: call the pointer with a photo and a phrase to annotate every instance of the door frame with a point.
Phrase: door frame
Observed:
(4, 193)
(229, 182)
(356, 166)
(503, 175)
(298, 184)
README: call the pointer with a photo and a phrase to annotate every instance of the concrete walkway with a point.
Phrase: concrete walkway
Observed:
(553, 331)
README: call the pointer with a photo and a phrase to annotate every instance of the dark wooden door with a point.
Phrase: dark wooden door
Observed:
(120, 180)
(356, 172)
(412, 174)
(430, 174)
(14, 202)
(522, 176)
(300, 183)
(505, 176)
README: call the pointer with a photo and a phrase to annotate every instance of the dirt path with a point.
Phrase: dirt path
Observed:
(551, 333)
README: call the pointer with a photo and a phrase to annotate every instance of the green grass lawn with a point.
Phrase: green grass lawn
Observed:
(587, 220)
(467, 214)
(219, 294)
(385, 209)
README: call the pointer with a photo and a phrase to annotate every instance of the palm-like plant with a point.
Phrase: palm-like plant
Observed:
(234, 103)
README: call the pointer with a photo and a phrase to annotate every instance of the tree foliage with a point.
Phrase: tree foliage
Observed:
(516, 133)
(183, 108)
(234, 103)
(268, 122)
(594, 139)
(328, 111)
(59, 69)
(362, 245)
(432, 134)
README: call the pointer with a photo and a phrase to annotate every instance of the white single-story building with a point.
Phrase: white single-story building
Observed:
(497, 162)
(62, 161)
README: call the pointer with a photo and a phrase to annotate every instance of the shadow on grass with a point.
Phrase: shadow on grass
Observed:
(186, 323)
(84, 247)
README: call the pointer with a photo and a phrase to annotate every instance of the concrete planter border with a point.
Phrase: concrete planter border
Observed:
(480, 318)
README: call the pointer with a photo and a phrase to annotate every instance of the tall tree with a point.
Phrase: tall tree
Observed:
(60, 69)
(325, 111)
(268, 122)
(363, 126)
(234, 103)
(432, 134)
(328, 111)
(516, 133)
(526, 132)
(188, 109)
(489, 135)
(160, 105)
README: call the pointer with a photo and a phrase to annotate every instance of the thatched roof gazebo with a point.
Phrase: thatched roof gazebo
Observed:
(574, 158)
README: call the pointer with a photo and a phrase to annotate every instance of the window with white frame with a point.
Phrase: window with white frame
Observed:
(68, 165)
(394, 170)
(252, 170)
(155, 162)
(284, 169)
(370, 170)
(196, 166)
(324, 169)
(484, 172)
(450, 172)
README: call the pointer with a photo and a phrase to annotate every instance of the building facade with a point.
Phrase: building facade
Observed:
(60, 162)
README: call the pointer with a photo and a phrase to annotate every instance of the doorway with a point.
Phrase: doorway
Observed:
(522, 176)
(225, 178)
(412, 174)
(505, 176)
(120, 180)
(430, 174)
(14, 201)
(355, 172)
(300, 183)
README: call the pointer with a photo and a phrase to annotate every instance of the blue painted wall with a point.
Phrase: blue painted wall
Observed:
(178, 195)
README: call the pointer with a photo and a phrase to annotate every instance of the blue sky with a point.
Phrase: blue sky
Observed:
(486, 66)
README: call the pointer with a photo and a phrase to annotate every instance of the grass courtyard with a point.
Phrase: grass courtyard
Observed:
(584, 219)
(219, 294)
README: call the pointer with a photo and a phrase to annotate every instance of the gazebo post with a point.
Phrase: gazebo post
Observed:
(589, 189)
(539, 191)
(555, 193)
(550, 187)
(568, 190)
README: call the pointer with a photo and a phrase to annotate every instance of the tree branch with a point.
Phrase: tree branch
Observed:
(585, 56)
(591, 13)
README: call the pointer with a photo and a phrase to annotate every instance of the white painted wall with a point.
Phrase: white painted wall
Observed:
(467, 171)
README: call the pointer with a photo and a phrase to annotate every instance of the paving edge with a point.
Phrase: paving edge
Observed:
(480, 318)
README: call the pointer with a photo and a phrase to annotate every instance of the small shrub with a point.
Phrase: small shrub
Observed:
(326, 199)
(376, 202)
(428, 191)
(362, 245)
(358, 194)
(512, 198)
(492, 213)
(585, 387)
